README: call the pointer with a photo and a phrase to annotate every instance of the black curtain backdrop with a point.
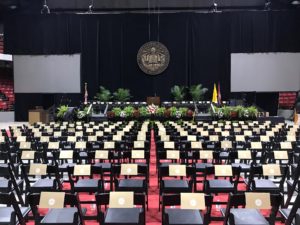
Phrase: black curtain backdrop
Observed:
(200, 45)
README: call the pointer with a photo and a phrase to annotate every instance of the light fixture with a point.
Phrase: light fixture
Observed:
(45, 9)
(91, 6)
(295, 2)
(267, 4)
(215, 7)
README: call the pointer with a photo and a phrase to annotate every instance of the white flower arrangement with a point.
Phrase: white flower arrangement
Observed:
(178, 114)
(122, 114)
(152, 108)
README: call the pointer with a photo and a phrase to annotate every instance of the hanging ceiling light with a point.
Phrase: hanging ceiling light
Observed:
(295, 2)
(215, 7)
(268, 5)
(91, 6)
(45, 9)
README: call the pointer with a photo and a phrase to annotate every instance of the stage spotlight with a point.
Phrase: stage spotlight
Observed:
(267, 4)
(45, 9)
(295, 2)
(215, 7)
(91, 6)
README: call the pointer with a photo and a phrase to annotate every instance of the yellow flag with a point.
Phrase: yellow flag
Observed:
(215, 95)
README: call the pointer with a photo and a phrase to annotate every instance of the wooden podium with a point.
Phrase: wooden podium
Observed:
(297, 119)
(153, 100)
(38, 115)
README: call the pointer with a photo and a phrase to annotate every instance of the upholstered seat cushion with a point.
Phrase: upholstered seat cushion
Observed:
(244, 167)
(210, 146)
(49, 155)
(5, 213)
(131, 183)
(83, 154)
(220, 185)
(224, 155)
(184, 216)
(200, 167)
(248, 217)
(104, 166)
(65, 166)
(4, 185)
(165, 164)
(86, 185)
(42, 185)
(263, 184)
(123, 216)
(60, 216)
(175, 184)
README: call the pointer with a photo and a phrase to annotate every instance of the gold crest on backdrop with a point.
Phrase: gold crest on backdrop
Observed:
(153, 58)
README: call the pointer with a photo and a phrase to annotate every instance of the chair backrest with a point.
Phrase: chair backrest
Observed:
(175, 200)
(266, 170)
(87, 174)
(165, 171)
(102, 199)
(69, 200)
(51, 172)
(142, 171)
(237, 200)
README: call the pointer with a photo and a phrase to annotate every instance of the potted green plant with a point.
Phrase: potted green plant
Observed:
(82, 114)
(61, 110)
(173, 111)
(129, 110)
(252, 110)
(197, 92)
(167, 113)
(190, 113)
(178, 92)
(117, 111)
(226, 112)
(182, 112)
(143, 112)
(104, 95)
(240, 111)
(160, 112)
(122, 95)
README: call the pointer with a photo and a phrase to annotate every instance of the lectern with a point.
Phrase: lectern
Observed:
(37, 115)
(153, 100)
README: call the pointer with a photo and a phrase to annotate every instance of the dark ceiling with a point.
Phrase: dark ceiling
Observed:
(34, 6)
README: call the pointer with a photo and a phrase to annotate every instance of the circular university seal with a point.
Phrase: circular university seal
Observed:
(153, 58)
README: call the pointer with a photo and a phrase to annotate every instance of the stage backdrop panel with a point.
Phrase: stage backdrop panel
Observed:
(47, 73)
(265, 72)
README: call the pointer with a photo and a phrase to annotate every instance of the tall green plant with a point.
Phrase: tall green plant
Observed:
(61, 110)
(161, 111)
(178, 92)
(117, 111)
(197, 92)
(252, 110)
(143, 111)
(81, 114)
(129, 110)
(104, 95)
(122, 95)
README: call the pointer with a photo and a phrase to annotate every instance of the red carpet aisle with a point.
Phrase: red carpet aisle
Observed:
(153, 216)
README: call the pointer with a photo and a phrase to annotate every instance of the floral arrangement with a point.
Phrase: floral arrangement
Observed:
(150, 111)
(235, 112)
